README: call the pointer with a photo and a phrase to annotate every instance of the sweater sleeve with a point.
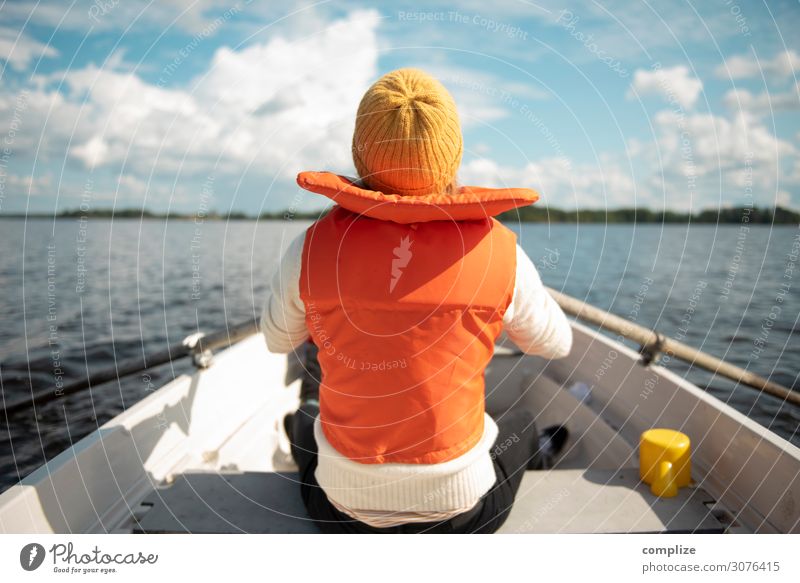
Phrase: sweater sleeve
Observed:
(283, 318)
(533, 320)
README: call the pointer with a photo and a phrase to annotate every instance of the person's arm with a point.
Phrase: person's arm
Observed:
(534, 321)
(283, 318)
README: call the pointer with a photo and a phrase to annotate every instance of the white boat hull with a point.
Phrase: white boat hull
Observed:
(226, 420)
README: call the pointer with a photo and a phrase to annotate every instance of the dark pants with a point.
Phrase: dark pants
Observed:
(516, 446)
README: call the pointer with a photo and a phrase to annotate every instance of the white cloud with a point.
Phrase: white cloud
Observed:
(18, 49)
(93, 153)
(674, 84)
(705, 160)
(30, 185)
(560, 182)
(763, 103)
(715, 142)
(695, 161)
(272, 108)
(781, 66)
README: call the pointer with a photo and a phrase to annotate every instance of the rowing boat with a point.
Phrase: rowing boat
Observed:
(206, 453)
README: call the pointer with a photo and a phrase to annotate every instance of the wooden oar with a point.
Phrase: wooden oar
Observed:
(652, 343)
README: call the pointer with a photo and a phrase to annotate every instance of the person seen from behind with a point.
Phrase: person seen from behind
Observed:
(397, 296)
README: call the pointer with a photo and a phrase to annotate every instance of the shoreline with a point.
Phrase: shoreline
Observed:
(749, 216)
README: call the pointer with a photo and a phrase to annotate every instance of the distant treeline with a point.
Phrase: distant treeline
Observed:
(760, 216)
(531, 214)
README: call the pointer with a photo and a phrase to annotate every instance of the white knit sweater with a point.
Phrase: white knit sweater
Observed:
(398, 493)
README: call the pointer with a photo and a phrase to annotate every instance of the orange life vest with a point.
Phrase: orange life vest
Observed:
(405, 296)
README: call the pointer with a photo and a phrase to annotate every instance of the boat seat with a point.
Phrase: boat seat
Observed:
(573, 501)
(227, 502)
(605, 501)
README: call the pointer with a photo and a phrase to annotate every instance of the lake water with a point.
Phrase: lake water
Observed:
(78, 296)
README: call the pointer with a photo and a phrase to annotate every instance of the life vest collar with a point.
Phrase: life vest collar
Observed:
(468, 203)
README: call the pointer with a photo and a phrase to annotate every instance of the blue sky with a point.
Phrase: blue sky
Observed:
(178, 105)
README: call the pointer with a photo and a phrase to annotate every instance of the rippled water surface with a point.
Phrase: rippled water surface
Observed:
(82, 296)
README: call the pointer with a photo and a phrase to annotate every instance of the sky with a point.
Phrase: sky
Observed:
(194, 106)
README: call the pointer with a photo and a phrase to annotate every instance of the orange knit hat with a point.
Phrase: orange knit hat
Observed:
(408, 138)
